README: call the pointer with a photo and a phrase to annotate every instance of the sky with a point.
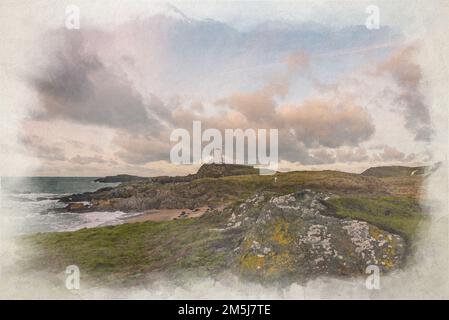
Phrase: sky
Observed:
(103, 99)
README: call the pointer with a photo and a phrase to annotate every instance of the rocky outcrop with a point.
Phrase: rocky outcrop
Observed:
(213, 170)
(134, 197)
(158, 192)
(296, 236)
(271, 237)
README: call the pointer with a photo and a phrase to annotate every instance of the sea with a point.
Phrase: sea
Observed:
(30, 204)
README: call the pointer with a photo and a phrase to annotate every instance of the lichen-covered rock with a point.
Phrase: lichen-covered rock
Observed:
(294, 236)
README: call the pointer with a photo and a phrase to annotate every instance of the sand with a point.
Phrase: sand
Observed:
(167, 214)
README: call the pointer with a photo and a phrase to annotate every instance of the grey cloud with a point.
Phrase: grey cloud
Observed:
(352, 155)
(323, 156)
(79, 84)
(408, 77)
(96, 148)
(83, 160)
(139, 149)
(75, 143)
(37, 147)
(78, 87)
(390, 154)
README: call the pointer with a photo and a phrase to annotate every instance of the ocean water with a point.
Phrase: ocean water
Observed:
(27, 204)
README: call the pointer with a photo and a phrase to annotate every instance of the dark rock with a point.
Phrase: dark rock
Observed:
(120, 178)
(76, 197)
(137, 193)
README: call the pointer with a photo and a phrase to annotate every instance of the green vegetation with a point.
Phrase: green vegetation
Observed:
(128, 251)
(398, 215)
(215, 170)
(240, 187)
(394, 171)
(210, 191)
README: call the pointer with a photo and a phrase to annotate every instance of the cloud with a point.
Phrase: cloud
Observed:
(139, 149)
(297, 61)
(138, 80)
(77, 86)
(37, 147)
(329, 123)
(83, 160)
(408, 77)
(352, 155)
(323, 156)
(391, 154)
(256, 106)
(313, 124)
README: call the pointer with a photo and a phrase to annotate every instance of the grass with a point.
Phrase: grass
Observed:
(400, 215)
(215, 191)
(240, 187)
(189, 246)
(129, 250)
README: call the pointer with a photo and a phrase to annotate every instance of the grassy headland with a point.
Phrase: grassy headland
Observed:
(130, 252)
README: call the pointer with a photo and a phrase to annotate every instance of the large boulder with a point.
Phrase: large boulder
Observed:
(295, 236)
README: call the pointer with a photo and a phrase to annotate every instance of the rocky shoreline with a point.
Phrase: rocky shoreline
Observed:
(293, 226)
(163, 192)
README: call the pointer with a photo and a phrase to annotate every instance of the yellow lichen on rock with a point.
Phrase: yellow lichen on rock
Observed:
(279, 263)
(252, 262)
(281, 234)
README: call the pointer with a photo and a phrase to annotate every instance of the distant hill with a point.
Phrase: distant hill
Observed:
(120, 178)
(213, 170)
(399, 171)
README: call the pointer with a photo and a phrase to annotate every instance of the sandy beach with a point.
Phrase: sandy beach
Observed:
(167, 214)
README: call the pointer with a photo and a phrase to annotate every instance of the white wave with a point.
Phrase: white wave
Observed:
(30, 196)
(97, 219)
